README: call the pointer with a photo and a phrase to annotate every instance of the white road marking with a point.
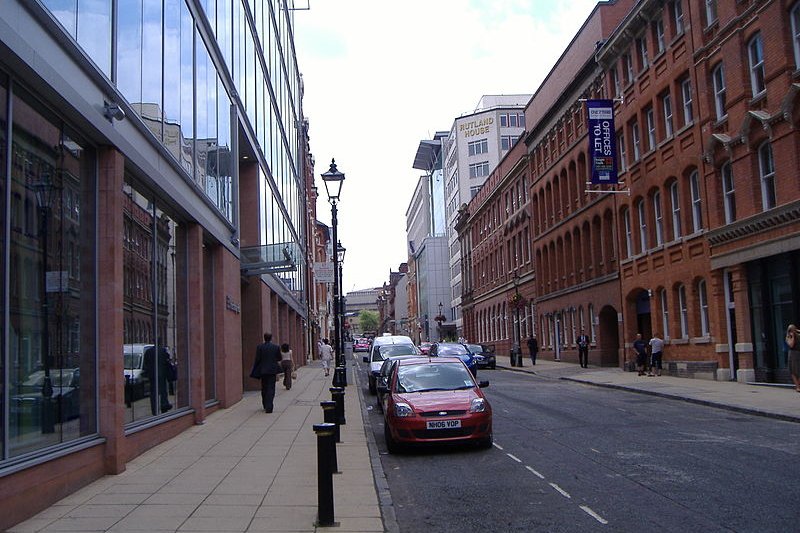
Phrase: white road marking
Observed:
(516, 459)
(562, 491)
(497, 446)
(535, 473)
(594, 515)
(595, 451)
(621, 409)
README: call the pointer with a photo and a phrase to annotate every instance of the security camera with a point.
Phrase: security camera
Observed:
(113, 111)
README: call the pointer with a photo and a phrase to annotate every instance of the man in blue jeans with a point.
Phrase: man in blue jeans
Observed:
(641, 354)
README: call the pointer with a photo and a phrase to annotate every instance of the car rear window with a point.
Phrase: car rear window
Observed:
(451, 349)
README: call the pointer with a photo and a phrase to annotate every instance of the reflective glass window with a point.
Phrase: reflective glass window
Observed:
(4, 227)
(89, 23)
(50, 341)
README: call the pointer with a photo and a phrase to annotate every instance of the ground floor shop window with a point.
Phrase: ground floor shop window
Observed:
(154, 314)
(48, 359)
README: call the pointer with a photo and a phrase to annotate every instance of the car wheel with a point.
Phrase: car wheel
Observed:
(391, 445)
(494, 366)
(373, 387)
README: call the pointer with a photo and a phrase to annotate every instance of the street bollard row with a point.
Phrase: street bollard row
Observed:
(340, 376)
(328, 434)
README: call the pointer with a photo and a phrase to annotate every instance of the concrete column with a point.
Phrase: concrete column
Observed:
(196, 315)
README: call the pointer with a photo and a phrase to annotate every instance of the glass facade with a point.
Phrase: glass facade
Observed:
(48, 362)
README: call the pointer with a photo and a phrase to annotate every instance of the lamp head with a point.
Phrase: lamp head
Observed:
(333, 180)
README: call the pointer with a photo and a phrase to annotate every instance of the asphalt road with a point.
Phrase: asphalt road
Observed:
(572, 457)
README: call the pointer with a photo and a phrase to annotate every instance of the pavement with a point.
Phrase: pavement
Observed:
(248, 471)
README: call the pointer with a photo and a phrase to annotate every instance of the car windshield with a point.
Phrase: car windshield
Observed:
(397, 349)
(133, 360)
(451, 349)
(474, 348)
(433, 377)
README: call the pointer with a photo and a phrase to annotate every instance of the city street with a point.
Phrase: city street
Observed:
(572, 457)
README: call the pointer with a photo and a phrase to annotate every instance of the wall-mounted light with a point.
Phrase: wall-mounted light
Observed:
(112, 111)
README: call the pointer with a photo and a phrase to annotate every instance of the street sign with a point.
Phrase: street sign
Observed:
(323, 272)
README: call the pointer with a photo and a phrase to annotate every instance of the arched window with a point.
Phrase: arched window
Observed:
(703, 301)
(795, 19)
(675, 201)
(718, 82)
(640, 209)
(728, 193)
(697, 206)
(659, 218)
(591, 324)
(664, 313)
(766, 167)
(626, 220)
(683, 311)
(755, 54)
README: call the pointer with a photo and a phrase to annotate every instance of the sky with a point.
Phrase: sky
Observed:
(380, 76)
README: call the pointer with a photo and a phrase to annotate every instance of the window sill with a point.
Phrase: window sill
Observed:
(679, 341)
(700, 340)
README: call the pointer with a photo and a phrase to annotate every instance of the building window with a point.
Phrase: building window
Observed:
(626, 218)
(703, 301)
(592, 335)
(728, 193)
(755, 52)
(507, 142)
(627, 61)
(659, 218)
(666, 106)
(795, 19)
(636, 140)
(676, 210)
(651, 128)
(642, 225)
(623, 155)
(686, 94)
(478, 147)
(711, 12)
(766, 167)
(718, 82)
(684, 313)
(658, 30)
(479, 170)
(697, 208)
(677, 12)
(664, 313)
(641, 46)
(615, 81)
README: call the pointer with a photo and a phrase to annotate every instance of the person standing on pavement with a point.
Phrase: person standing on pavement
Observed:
(156, 370)
(533, 348)
(266, 368)
(656, 354)
(286, 365)
(793, 342)
(326, 354)
(583, 349)
(640, 348)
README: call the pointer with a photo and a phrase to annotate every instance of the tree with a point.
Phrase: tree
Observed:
(368, 320)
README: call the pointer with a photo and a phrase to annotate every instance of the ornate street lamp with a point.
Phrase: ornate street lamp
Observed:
(46, 192)
(333, 180)
(516, 303)
(340, 252)
(439, 319)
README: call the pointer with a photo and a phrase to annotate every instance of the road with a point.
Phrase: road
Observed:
(572, 457)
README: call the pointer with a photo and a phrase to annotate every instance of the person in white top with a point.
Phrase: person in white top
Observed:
(656, 354)
(286, 365)
(326, 354)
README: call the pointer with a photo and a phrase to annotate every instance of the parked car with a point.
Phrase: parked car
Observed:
(383, 347)
(484, 356)
(456, 349)
(387, 368)
(435, 401)
(425, 348)
(27, 402)
(361, 345)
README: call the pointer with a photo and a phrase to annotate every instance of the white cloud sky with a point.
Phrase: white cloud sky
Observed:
(381, 76)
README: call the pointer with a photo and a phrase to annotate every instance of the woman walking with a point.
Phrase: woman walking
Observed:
(793, 343)
(326, 354)
(286, 365)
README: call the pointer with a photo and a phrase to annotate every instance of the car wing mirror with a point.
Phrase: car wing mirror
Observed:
(483, 384)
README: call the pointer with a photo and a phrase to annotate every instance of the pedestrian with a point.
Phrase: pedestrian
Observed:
(266, 368)
(286, 365)
(533, 348)
(793, 343)
(158, 377)
(640, 348)
(326, 354)
(656, 354)
(583, 349)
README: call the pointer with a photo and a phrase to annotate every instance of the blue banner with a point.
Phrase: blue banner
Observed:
(602, 141)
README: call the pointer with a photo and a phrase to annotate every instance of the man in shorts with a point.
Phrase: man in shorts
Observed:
(640, 348)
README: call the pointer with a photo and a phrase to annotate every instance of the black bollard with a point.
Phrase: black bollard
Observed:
(340, 377)
(324, 474)
(329, 413)
(337, 395)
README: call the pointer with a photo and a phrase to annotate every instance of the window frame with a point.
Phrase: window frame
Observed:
(626, 221)
(711, 12)
(677, 17)
(794, 18)
(718, 84)
(660, 34)
(675, 201)
(697, 201)
(623, 154)
(702, 301)
(767, 179)
(641, 212)
(666, 106)
(683, 311)
(728, 192)
(636, 139)
(686, 101)
(650, 121)
(659, 218)
(755, 62)
(664, 313)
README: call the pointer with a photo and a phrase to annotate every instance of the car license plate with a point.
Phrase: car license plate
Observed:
(444, 424)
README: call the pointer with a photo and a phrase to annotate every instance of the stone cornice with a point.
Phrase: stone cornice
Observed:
(756, 224)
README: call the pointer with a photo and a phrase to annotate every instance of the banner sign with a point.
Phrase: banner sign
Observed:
(602, 141)
(323, 272)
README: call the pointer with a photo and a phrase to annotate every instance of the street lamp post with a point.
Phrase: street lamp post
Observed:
(333, 180)
(340, 251)
(516, 352)
(439, 320)
(45, 196)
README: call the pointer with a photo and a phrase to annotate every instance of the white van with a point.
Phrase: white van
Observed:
(136, 384)
(383, 347)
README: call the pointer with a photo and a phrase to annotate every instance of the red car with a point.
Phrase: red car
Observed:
(361, 345)
(425, 348)
(434, 401)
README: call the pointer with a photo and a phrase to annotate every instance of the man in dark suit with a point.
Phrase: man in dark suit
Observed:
(157, 376)
(266, 367)
(533, 348)
(583, 349)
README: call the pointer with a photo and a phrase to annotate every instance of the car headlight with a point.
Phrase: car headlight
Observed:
(478, 405)
(402, 410)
